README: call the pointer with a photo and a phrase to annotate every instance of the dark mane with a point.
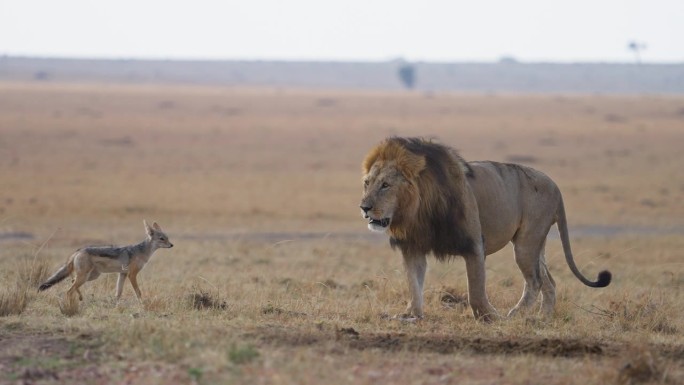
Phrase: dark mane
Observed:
(439, 227)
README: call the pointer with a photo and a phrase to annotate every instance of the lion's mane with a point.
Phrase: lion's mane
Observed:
(438, 183)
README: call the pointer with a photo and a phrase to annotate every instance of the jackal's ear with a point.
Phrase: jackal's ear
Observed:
(156, 226)
(148, 229)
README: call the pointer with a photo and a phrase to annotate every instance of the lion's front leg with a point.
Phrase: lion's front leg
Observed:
(415, 265)
(477, 296)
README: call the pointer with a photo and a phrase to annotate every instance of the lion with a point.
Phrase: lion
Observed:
(431, 201)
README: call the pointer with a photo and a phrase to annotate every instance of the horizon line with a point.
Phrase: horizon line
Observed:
(504, 59)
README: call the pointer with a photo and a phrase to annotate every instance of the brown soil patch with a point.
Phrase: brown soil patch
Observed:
(446, 344)
(30, 358)
(34, 357)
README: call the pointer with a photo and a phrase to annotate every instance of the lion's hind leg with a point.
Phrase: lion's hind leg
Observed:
(548, 287)
(528, 252)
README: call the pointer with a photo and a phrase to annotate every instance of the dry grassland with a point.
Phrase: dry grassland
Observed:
(273, 278)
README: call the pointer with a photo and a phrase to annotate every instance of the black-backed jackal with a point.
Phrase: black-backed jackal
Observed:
(89, 262)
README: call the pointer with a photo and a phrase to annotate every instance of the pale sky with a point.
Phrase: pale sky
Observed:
(350, 30)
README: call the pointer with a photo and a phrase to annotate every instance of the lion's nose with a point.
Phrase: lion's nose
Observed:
(365, 208)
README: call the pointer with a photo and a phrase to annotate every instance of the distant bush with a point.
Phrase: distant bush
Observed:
(407, 74)
(41, 75)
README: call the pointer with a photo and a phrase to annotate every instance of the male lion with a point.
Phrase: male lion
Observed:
(429, 200)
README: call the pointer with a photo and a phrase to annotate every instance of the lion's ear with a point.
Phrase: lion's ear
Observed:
(411, 165)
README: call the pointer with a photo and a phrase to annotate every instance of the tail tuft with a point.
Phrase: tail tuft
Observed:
(58, 276)
(604, 279)
(45, 286)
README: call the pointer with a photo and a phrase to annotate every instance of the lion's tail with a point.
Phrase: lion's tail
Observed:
(604, 277)
(63, 272)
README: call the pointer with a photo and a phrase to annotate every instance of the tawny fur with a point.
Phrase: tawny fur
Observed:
(89, 262)
(437, 203)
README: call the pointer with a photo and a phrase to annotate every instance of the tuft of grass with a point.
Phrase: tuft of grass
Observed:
(32, 271)
(157, 303)
(331, 284)
(203, 300)
(195, 373)
(242, 354)
(13, 301)
(69, 306)
(451, 297)
(29, 273)
(644, 312)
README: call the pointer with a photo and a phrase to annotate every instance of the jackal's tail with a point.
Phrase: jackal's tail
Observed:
(59, 275)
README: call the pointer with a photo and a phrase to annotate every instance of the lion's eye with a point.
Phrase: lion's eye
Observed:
(365, 183)
(385, 185)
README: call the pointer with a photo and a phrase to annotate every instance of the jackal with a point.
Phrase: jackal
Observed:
(89, 262)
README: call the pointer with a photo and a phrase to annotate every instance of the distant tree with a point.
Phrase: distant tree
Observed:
(407, 74)
(508, 60)
(41, 75)
(636, 47)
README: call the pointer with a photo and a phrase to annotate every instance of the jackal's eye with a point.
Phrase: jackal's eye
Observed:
(365, 183)
(385, 185)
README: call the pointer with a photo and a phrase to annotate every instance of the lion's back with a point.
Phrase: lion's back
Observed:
(509, 194)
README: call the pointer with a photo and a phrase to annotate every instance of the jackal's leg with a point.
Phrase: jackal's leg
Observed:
(120, 284)
(79, 280)
(134, 282)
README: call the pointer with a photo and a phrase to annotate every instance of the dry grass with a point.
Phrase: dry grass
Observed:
(69, 306)
(206, 300)
(32, 271)
(273, 277)
(13, 300)
(23, 277)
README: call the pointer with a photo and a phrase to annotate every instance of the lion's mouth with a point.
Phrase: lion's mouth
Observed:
(379, 222)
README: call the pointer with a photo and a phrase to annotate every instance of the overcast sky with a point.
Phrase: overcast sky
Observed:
(351, 30)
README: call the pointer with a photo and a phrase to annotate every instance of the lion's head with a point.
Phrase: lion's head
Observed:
(390, 193)
(412, 190)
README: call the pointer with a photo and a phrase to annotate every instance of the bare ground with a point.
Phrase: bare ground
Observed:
(33, 358)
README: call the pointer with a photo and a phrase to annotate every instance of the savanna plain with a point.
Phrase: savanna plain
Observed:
(274, 278)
